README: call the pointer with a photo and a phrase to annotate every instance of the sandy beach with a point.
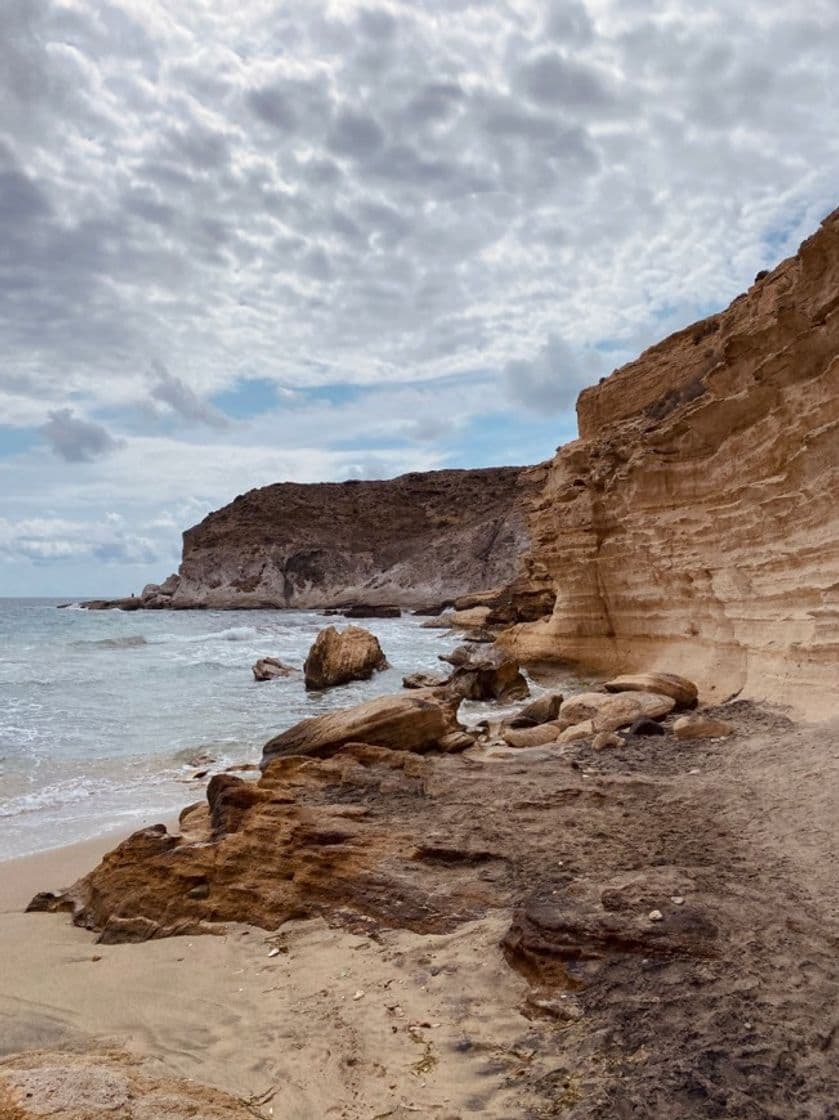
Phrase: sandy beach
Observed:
(320, 1020)
(310, 1022)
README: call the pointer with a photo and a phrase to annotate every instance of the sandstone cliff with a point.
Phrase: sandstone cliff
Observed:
(413, 540)
(694, 525)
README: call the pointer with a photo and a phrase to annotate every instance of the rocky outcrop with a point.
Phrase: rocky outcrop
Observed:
(340, 656)
(408, 541)
(400, 723)
(489, 673)
(694, 523)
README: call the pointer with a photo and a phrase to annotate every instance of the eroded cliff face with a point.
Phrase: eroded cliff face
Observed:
(694, 526)
(418, 539)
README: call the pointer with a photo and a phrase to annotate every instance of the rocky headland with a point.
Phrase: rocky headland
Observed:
(407, 542)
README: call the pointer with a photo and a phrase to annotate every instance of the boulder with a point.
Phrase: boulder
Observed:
(424, 680)
(544, 709)
(585, 729)
(488, 673)
(400, 723)
(339, 656)
(456, 742)
(680, 689)
(439, 622)
(269, 668)
(605, 739)
(701, 727)
(532, 736)
(475, 618)
(611, 711)
(479, 637)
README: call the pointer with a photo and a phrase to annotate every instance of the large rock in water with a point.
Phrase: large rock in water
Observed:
(401, 723)
(486, 673)
(339, 656)
(269, 668)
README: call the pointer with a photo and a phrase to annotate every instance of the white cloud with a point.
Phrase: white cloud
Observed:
(374, 194)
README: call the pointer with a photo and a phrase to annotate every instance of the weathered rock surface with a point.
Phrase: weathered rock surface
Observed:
(75, 1086)
(340, 656)
(417, 539)
(486, 673)
(680, 689)
(694, 523)
(611, 711)
(541, 710)
(533, 736)
(701, 727)
(400, 723)
(424, 680)
(269, 668)
(629, 887)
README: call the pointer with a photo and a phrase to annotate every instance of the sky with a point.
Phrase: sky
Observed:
(248, 243)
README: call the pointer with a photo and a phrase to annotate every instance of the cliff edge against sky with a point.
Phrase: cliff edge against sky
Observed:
(694, 525)
(418, 539)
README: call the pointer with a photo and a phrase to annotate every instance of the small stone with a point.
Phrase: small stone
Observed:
(656, 916)
(274, 953)
(358, 995)
(677, 900)
(606, 739)
(701, 727)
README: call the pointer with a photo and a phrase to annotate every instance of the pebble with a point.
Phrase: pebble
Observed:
(358, 995)
(656, 916)
(677, 900)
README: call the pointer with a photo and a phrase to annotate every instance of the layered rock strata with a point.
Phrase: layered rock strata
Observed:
(406, 542)
(695, 522)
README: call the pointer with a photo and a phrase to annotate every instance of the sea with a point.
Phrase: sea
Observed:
(106, 716)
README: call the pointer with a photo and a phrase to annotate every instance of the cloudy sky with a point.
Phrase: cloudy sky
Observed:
(304, 240)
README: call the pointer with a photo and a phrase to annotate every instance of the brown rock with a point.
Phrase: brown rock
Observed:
(400, 723)
(424, 680)
(680, 689)
(605, 739)
(340, 656)
(701, 727)
(611, 711)
(695, 520)
(488, 673)
(269, 668)
(455, 742)
(577, 732)
(542, 710)
(533, 736)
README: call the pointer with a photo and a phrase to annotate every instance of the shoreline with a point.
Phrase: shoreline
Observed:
(22, 877)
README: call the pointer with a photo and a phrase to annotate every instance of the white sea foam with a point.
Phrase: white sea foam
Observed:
(100, 711)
